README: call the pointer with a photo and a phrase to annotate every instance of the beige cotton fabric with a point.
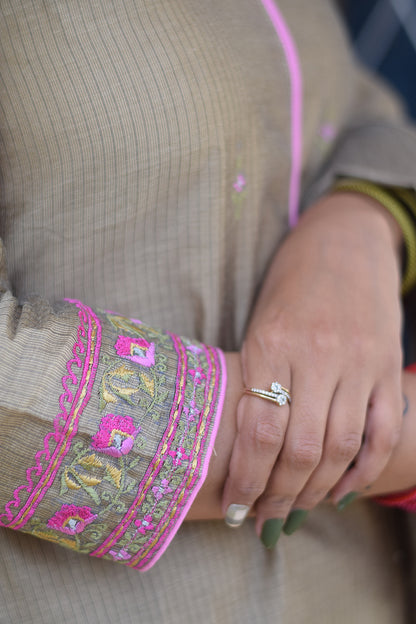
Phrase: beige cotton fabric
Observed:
(125, 127)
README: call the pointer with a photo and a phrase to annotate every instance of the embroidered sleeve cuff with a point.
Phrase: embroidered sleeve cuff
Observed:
(128, 446)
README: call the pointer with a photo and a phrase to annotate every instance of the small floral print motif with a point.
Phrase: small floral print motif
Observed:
(194, 349)
(71, 519)
(191, 412)
(116, 435)
(122, 555)
(198, 375)
(137, 350)
(240, 183)
(328, 132)
(145, 524)
(159, 491)
(179, 455)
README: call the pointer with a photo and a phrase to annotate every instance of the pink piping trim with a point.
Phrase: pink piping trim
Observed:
(293, 63)
(204, 472)
(166, 538)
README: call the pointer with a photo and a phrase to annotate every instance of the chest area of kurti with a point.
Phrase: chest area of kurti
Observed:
(148, 133)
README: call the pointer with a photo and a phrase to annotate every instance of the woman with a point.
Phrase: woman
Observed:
(151, 153)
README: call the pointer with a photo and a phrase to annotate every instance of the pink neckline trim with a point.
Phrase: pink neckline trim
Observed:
(293, 63)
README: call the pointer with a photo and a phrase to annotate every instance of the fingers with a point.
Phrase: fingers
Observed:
(289, 459)
(261, 427)
(382, 432)
(323, 437)
(343, 439)
(285, 462)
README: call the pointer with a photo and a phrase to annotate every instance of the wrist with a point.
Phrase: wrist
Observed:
(372, 205)
(398, 206)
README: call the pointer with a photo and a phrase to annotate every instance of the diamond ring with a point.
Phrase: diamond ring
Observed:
(277, 394)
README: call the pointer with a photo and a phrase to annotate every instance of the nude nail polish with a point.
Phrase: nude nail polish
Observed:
(235, 515)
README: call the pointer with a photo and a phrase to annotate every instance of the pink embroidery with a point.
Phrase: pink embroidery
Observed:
(293, 63)
(163, 449)
(198, 375)
(71, 519)
(159, 491)
(194, 349)
(136, 349)
(240, 184)
(183, 453)
(65, 424)
(191, 412)
(328, 132)
(122, 555)
(145, 524)
(194, 475)
(179, 455)
(116, 435)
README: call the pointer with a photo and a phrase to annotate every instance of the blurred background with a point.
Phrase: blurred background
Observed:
(384, 36)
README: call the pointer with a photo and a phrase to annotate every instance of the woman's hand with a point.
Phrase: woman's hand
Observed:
(327, 326)
(400, 472)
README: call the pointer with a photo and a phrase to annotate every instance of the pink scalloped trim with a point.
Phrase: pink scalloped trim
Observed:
(65, 423)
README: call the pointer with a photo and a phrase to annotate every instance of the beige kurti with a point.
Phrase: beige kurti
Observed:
(150, 156)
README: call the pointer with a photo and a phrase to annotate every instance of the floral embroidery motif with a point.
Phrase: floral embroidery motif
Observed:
(137, 350)
(141, 467)
(239, 192)
(71, 519)
(328, 132)
(145, 524)
(179, 455)
(198, 375)
(116, 435)
(143, 533)
(240, 183)
(121, 555)
(159, 491)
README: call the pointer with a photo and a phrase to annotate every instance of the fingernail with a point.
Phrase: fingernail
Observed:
(294, 520)
(348, 498)
(270, 532)
(235, 515)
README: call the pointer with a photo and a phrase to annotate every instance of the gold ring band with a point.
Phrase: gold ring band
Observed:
(277, 394)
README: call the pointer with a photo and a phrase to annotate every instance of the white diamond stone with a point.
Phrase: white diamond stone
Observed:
(276, 387)
(281, 399)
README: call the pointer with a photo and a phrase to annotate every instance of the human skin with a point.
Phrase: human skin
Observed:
(327, 325)
(399, 474)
